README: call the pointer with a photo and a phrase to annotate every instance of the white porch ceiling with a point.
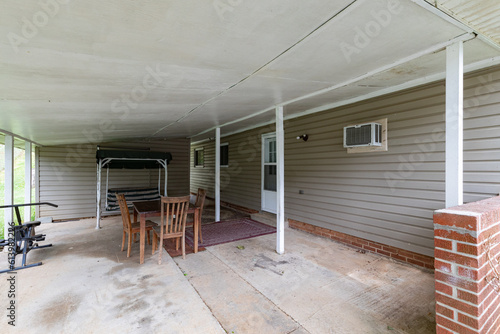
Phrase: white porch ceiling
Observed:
(75, 71)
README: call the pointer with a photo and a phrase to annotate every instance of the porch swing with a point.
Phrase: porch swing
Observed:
(122, 159)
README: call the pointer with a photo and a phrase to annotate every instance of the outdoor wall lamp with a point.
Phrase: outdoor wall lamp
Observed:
(304, 137)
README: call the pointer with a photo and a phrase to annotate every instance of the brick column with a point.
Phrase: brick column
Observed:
(465, 301)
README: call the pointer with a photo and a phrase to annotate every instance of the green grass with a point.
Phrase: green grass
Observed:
(18, 185)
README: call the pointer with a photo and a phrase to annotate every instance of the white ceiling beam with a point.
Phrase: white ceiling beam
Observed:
(430, 50)
(409, 84)
(453, 19)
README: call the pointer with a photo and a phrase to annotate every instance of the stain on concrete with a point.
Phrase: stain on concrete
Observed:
(131, 306)
(122, 284)
(267, 263)
(57, 311)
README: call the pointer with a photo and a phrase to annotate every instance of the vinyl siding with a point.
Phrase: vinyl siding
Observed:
(388, 197)
(68, 176)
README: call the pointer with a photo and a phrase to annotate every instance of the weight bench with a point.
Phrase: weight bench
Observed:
(22, 239)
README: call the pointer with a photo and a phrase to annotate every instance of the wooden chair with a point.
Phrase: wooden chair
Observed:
(200, 202)
(172, 223)
(129, 227)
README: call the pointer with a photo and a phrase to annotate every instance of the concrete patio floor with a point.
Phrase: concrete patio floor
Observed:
(87, 285)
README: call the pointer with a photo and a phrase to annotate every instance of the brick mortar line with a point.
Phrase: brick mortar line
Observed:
(486, 297)
(474, 257)
(491, 315)
(446, 328)
(485, 264)
(457, 310)
(458, 322)
(467, 243)
(468, 303)
(455, 298)
(459, 230)
(460, 213)
(458, 276)
(472, 293)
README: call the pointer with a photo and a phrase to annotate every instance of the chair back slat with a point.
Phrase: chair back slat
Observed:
(200, 199)
(124, 211)
(173, 214)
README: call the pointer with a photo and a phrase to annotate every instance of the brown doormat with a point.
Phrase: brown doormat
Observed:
(169, 246)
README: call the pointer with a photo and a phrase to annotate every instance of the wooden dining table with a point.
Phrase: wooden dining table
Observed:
(148, 209)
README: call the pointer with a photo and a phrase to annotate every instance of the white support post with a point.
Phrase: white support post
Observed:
(454, 124)
(98, 215)
(217, 174)
(9, 182)
(27, 181)
(37, 182)
(280, 182)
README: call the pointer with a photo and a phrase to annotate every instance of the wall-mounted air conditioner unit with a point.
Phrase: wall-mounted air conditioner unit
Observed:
(367, 134)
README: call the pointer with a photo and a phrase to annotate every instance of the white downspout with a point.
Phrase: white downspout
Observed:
(217, 174)
(27, 180)
(98, 226)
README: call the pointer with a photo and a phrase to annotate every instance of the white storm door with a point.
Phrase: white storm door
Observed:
(269, 200)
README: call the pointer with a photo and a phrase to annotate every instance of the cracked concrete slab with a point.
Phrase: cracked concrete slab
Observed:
(322, 285)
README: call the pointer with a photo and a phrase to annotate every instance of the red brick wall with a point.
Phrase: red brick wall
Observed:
(367, 245)
(465, 301)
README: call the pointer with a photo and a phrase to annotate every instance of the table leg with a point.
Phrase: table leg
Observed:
(142, 237)
(196, 223)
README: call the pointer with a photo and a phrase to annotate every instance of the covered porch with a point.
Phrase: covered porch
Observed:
(189, 78)
(318, 286)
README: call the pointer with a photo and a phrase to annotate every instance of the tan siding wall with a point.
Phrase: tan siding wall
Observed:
(388, 197)
(482, 136)
(67, 180)
(68, 176)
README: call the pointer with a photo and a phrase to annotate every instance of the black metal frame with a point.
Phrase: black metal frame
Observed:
(24, 238)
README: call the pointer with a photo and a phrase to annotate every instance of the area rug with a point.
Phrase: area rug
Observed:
(169, 246)
(208, 216)
(229, 231)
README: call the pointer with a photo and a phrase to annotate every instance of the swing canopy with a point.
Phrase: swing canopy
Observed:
(120, 159)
